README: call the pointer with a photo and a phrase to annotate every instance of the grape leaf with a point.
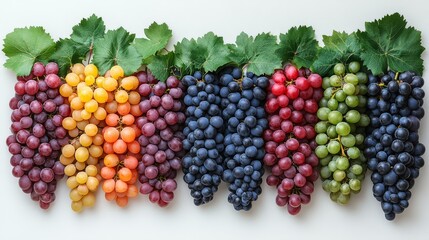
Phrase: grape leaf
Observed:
(346, 45)
(299, 46)
(25, 46)
(388, 44)
(157, 39)
(86, 33)
(340, 47)
(65, 55)
(161, 66)
(242, 50)
(207, 53)
(258, 54)
(325, 62)
(212, 49)
(183, 52)
(115, 49)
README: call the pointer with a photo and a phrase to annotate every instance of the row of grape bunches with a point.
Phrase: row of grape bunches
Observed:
(126, 131)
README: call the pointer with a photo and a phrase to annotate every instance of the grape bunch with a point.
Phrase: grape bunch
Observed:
(120, 135)
(161, 138)
(392, 144)
(204, 127)
(341, 132)
(243, 99)
(37, 135)
(87, 94)
(292, 105)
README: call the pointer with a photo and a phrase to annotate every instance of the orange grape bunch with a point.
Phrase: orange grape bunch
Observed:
(120, 138)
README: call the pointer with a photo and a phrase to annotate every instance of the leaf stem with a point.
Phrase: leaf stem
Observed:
(90, 53)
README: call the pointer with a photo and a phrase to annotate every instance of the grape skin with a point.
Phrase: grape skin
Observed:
(341, 132)
(204, 143)
(161, 139)
(242, 109)
(392, 143)
(37, 135)
(82, 152)
(290, 136)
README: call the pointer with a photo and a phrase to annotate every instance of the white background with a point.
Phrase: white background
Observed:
(322, 219)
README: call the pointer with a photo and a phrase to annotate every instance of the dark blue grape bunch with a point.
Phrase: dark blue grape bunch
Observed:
(204, 142)
(243, 100)
(393, 150)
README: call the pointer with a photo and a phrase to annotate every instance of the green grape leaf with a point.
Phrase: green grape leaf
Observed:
(65, 55)
(115, 49)
(257, 54)
(389, 45)
(25, 46)
(325, 61)
(183, 60)
(299, 46)
(157, 39)
(207, 53)
(340, 47)
(161, 66)
(86, 33)
(242, 51)
(346, 45)
(213, 51)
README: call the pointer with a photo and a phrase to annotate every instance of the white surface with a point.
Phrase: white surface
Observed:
(322, 219)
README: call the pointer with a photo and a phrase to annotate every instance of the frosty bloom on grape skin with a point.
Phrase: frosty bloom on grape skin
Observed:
(242, 103)
(392, 53)
(392, 145)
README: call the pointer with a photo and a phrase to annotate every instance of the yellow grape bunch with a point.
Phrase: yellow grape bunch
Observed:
(87, 93)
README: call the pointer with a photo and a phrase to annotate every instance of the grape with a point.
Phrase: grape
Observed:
(82, 123)
(161, 136)
(120, 134)
(35, 144)
(291, 135)
(342, 124)
(244, 145)
(392, 144)
(203, 163)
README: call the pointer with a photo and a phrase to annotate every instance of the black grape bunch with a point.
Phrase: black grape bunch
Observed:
(243, 99)
(204, 143)
(37, 135)
(392, 144)
(395, 107)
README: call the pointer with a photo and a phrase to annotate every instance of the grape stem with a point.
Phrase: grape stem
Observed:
(342, 147)
(245, 69)
(333, 92)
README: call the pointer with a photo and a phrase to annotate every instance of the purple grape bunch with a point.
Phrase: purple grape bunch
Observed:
(161, 139)
(37, 135)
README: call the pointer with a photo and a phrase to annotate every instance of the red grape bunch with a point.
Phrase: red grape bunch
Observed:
(292, 104)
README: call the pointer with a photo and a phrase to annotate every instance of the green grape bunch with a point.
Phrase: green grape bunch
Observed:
(340, 132)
